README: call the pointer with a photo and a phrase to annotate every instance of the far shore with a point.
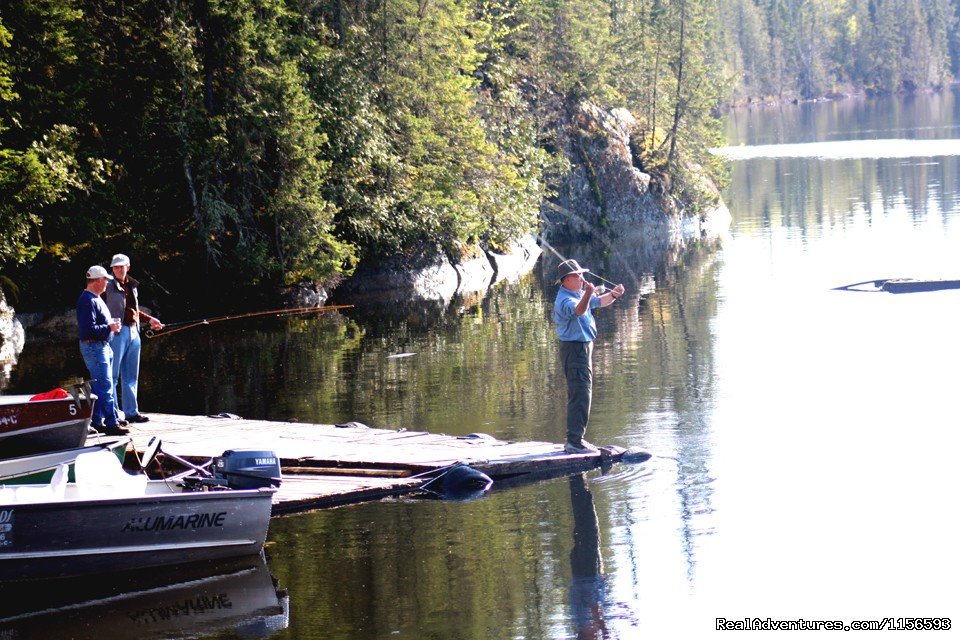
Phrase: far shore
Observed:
(752, 102)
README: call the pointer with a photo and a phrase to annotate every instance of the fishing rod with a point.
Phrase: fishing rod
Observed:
(615, 251)
(562, 259)
(189, 324)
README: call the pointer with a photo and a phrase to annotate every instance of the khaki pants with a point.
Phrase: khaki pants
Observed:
(577, 359)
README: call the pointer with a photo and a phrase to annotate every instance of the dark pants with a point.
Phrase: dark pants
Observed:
(577, 359)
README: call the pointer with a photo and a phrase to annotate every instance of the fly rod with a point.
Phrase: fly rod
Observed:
(562, 259)
(579, 220)
(189, 324)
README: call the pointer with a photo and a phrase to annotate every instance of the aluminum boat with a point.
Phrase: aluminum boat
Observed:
(109, 520)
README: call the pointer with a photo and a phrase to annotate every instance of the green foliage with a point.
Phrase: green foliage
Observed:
(260, 144)
(815, 47)
(251, 144)
(672, 77)
(34, 174)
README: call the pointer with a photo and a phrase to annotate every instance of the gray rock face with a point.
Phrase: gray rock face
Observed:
(392, 280)
(605, 192)
(11, 340)
(304, 294)
(474, 273)
(517, 261)
(440, 279)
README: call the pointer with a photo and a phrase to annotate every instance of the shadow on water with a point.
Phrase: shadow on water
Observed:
(238, 597)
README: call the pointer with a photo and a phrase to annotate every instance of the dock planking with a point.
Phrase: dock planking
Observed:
(328, 465)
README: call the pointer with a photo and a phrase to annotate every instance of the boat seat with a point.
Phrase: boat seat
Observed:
(51, 492)
(99, 474)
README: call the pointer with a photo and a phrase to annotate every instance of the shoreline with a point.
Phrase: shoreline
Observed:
(752, 102)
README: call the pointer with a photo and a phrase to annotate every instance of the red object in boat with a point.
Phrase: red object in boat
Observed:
(53, 394)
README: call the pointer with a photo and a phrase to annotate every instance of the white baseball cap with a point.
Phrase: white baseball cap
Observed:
(120, 260)
(96, 271)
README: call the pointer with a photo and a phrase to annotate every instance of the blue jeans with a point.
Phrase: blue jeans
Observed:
(126, 367)
(98, 356)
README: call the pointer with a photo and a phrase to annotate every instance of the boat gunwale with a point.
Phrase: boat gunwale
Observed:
(171, 495)
(112, 551)
(66, 456)
(26, 399)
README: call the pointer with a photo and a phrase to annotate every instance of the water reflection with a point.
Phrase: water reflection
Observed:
(587, 587)
(239, 597)
(931, 116)
(846, 150)
(487, 365)
(818, 198)
(476, 366)
(888, 156)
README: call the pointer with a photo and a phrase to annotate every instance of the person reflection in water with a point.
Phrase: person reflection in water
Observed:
(586, 564)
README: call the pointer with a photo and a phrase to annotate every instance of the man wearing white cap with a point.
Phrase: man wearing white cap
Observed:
(577, 329)
(122, 298)
(95, 328)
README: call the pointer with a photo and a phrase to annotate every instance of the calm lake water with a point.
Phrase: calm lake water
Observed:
(806, 438)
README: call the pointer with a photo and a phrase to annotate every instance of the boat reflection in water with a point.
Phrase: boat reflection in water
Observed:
(239, 597)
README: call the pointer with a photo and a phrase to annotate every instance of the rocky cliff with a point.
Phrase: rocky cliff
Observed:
(604, 194)
(472, 271)
(605, 191)
(11, 340)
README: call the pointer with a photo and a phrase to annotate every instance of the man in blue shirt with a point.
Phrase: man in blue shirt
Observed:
(576, 328)
(95, 328)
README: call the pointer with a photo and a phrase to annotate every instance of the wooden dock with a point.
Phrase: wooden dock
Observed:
(331, 465)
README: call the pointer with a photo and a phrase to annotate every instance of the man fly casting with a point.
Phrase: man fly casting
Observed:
(576, 328)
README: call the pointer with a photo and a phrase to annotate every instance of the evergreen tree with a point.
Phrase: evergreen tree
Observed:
(41, 158)
(251, 144)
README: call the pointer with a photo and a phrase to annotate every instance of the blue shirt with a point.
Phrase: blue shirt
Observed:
(93, 317)
(570, 326)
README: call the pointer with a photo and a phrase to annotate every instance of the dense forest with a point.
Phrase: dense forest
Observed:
(814, 48)
(229, 144)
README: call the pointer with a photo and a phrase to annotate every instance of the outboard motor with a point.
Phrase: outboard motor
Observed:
(247, 469)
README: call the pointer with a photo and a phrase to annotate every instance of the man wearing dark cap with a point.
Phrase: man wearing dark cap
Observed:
(576, 328)
(95, 328)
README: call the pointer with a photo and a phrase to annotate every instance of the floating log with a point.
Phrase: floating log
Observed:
(900, 285)
(909, 285)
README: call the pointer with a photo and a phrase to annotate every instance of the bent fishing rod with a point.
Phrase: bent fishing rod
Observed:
(189, 324)
(562, 259)
(579, 220)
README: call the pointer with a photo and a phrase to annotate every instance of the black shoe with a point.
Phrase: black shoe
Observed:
(138, 418)
(122, 422)
(114, 430)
